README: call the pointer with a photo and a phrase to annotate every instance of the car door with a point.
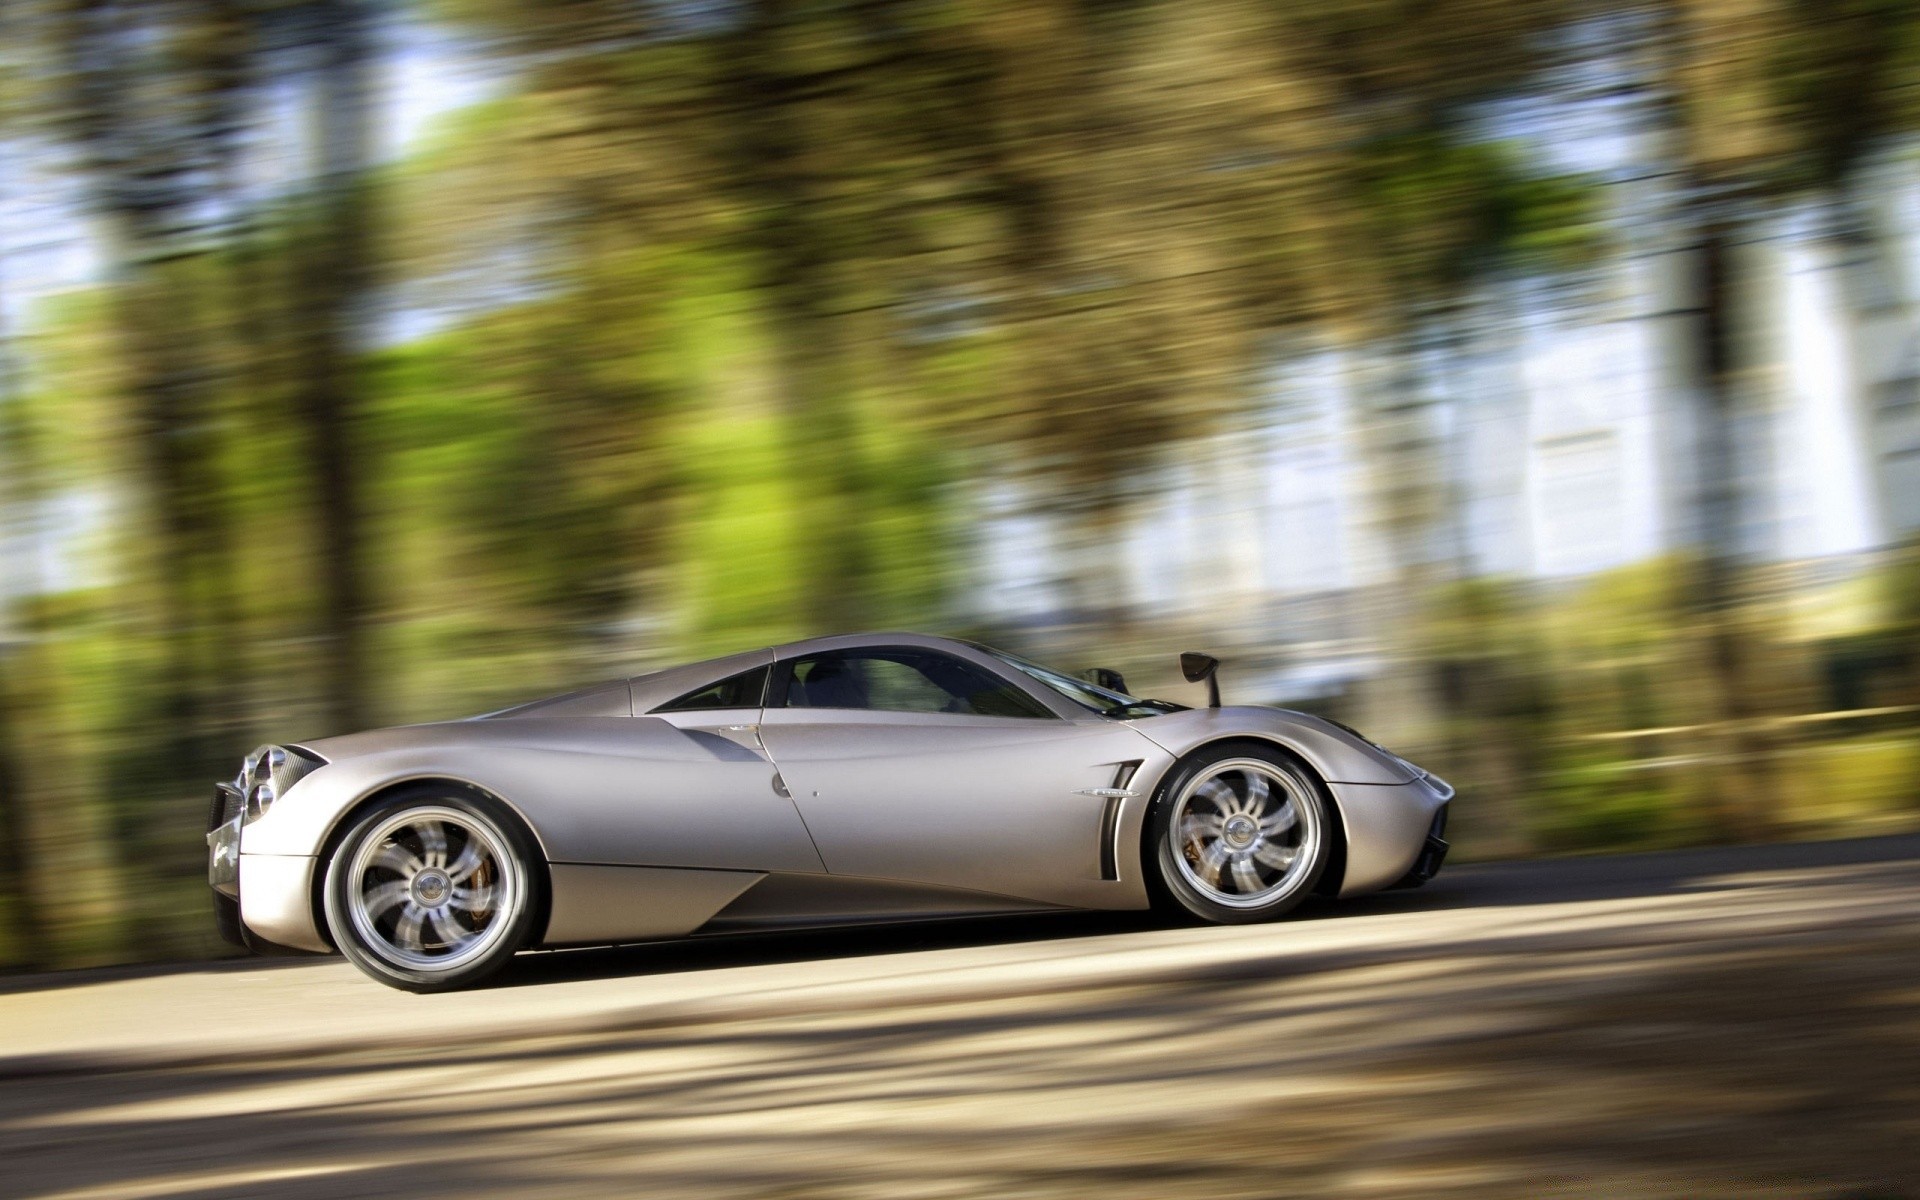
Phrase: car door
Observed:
(909, 763)
(719, 801)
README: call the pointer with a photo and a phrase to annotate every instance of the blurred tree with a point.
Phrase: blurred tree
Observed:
(1392, 211)
(1765, 101)
(711, 306)
(1487, 645)
(333, 280)
(156, 101)
(559, 402)
(1167, 187)
(25, 926)
(1448, 218)
(1077, 227)
(761, 134)
(144, 106)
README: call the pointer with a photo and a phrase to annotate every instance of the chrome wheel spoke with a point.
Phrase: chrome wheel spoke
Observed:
(407, 931)
(470, 859)
(1211, 862)
(1280, 819)
(1277, 857)
(381, 900)
(398, 859)
(472, 900)
(1245, 875)
(1257, 793)
(1200, 830)
(1217, 793)
(433, 841)
(450, 932)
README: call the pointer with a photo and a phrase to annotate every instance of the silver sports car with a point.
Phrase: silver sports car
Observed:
(860, 778)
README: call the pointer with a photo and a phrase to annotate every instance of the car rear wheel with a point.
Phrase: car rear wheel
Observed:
(433, 890)
(1239, 834)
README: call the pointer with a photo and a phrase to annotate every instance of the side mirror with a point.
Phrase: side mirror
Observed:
(1105, 677)
(1196, 666)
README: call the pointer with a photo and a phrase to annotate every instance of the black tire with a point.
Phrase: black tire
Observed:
(1185, 892)
(400, 953)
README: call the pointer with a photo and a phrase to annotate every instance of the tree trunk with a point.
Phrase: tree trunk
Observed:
(1399, 700)
(334, 278)
(26, 928)
(231, 76)
(1745, 796)
(169, 419)
(796, 262)
(142, 170)
(826, 461)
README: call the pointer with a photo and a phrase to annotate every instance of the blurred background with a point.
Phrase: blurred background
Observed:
(1534, 384)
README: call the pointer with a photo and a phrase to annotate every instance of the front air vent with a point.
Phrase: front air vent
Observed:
(227, 802)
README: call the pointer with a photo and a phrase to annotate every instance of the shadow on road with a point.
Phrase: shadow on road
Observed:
(1542, 881)
(1522, 1062)
(1548, 881)
(814, 945)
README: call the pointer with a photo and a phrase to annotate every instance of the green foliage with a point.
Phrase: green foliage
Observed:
(1778, 97)
(1447, 213)
(1587, 804)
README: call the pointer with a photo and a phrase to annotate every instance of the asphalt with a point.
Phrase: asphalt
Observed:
(1740, 1021)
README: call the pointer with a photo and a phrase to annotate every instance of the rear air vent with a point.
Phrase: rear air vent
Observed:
(1110, 821)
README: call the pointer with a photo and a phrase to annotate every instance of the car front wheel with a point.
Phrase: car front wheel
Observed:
(433, 890)
(1240, 834)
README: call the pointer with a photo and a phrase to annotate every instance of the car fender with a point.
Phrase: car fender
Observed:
(617, 790)
(1383, 803)
(1337, 755)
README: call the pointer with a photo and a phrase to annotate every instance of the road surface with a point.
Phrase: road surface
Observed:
(1739, 1022)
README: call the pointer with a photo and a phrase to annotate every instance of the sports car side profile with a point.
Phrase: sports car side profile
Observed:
(842, 779)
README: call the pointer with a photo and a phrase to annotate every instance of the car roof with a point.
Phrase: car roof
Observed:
(652, 690)
(849, 641)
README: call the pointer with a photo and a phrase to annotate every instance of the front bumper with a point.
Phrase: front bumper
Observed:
(278, 902)
(1427, 864)
(277, 912)
(1391, 830)
(223, 863)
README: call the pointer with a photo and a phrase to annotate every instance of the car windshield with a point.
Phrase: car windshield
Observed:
(1104, 701)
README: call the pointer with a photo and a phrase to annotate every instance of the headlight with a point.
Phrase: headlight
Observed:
(269, 772)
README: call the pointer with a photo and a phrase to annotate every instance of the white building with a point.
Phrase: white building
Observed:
(1565, 434)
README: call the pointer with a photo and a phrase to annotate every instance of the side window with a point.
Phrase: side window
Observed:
(745, 690)
(905, 680)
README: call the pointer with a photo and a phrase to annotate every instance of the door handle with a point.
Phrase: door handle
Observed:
(738, 728)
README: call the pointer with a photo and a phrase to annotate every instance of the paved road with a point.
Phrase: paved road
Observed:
(1716, 1023)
